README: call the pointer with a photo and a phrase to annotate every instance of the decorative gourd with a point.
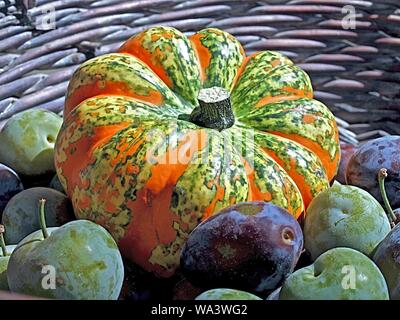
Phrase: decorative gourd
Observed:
(158, 137)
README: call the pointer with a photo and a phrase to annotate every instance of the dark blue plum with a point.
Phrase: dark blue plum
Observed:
(251, 246)
(10, 185)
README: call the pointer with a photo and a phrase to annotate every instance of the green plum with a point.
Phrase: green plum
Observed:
(27, 141)
(338, 274)
(227, 294)
(20, 215)
(79, 260)
(344, 216)
(386, 256)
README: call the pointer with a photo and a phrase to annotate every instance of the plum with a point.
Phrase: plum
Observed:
(10, 185)
(250, 246)
(344, 216)
(226, 294)
(27, 142)
(347, 150)
(386, 256)
(55, 184)
(337, 274)
(20, 217)
(364, 166)
(79, 260)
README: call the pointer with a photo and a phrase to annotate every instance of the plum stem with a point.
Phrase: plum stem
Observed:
(42, 218)
(382, 174)
(2, 242)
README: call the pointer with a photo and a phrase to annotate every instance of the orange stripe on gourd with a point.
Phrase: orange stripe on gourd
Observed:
(290, 94)
(220, 56)
(175, 160)
(134, 46)
(80, 153)
(169, 54)
(108, 88)
(203, 54)
(255, 194)
(303, 93)
(329, 164)
(273, 99)
(297, 177)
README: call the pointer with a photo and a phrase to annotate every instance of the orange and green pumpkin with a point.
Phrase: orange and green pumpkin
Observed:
(141, 156)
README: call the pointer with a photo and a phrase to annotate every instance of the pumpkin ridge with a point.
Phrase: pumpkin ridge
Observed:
(203, 58)
(262, 61)
(300, 163)
(291, 119)
(260, 189)
(169, 54)
(193, 101)
(310, 182)
(134, 79)
(219, 57)
(282, 80)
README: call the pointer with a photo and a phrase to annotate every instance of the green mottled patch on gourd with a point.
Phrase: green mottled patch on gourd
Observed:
(127, 69)
(281, 81)
(217, 165)
(259, 66)
(178, 59)
(305, 117)
(296, 157)
(272, 179)
(227, 56)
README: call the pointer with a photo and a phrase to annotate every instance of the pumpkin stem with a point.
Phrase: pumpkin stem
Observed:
(2, 242)
(382, 174)
(42, 218)
(214, 110)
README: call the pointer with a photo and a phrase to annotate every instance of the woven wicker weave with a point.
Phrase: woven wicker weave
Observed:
(356, 72)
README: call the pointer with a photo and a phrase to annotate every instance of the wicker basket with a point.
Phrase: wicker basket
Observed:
(356, 72)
